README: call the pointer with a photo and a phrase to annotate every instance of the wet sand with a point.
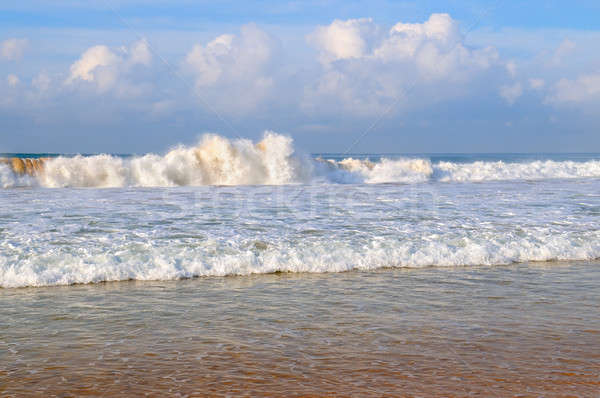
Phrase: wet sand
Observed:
(521, 330)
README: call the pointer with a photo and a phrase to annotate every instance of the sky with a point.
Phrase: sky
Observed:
(379, 76)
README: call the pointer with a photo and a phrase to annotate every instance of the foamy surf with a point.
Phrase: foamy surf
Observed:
(151, 261)
(217, 160)
(64, 237)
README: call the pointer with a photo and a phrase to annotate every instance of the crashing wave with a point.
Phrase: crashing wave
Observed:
(217, 160)
(214, 161)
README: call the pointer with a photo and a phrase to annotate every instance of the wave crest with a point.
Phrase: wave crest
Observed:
(217, 160)
(151, 261)
(214, 161)
(387, 170)
(536, 170)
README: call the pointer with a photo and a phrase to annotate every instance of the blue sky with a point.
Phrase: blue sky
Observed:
(133, 76)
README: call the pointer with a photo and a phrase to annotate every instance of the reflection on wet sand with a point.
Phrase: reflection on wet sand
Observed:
(497, 331)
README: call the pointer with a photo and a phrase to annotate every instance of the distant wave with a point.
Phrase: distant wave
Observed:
(217, 160)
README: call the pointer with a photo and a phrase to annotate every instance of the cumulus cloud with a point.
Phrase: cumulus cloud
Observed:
(12, 80)
(234, 72)
(343, 39)
(13, 49)
(104, 68)
(366, 69)
(585, 88)
(207, 62)
(435, 45)
(90, 61)
(511, 93)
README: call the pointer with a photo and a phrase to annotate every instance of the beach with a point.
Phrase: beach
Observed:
(520, 330)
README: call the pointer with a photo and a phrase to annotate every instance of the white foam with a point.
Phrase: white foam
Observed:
(8, 179)
(217, 160)
(214, 161)
(386, 170)
(100, 171)
(495, 171)
(421, 170)
(150, 261)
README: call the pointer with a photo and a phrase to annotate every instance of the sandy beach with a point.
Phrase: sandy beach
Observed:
(522, 330)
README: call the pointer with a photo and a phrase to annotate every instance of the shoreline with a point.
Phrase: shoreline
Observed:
(547, 263)
(492, 331)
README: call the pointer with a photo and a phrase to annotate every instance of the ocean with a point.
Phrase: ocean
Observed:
(252, 268)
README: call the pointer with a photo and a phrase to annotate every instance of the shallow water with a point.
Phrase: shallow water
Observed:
(64, 236)
(519, 330)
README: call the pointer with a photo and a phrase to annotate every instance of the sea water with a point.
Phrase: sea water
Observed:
(229, 207)
(254, 269)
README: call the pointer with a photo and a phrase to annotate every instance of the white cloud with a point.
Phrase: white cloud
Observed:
(139, 53)
(104, 68)
(585, 88)
(435, 47)
(207, 62)
(234, 72)
(565, 48)
(511, 93)
(12, 80)
(423, 42)
(90, 61)
(366, 70)
(13, 49)
(343, 39)
(536, 83)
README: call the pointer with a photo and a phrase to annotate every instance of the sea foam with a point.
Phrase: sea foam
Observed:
(217, 160)
(214, 161)
(151, 261)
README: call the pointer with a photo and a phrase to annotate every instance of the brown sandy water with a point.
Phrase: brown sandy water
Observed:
(27, 166)
(523, 330)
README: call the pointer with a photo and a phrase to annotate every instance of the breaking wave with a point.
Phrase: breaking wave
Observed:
(536, 170)
(150, 261)
(217, 160)
(214, 161)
